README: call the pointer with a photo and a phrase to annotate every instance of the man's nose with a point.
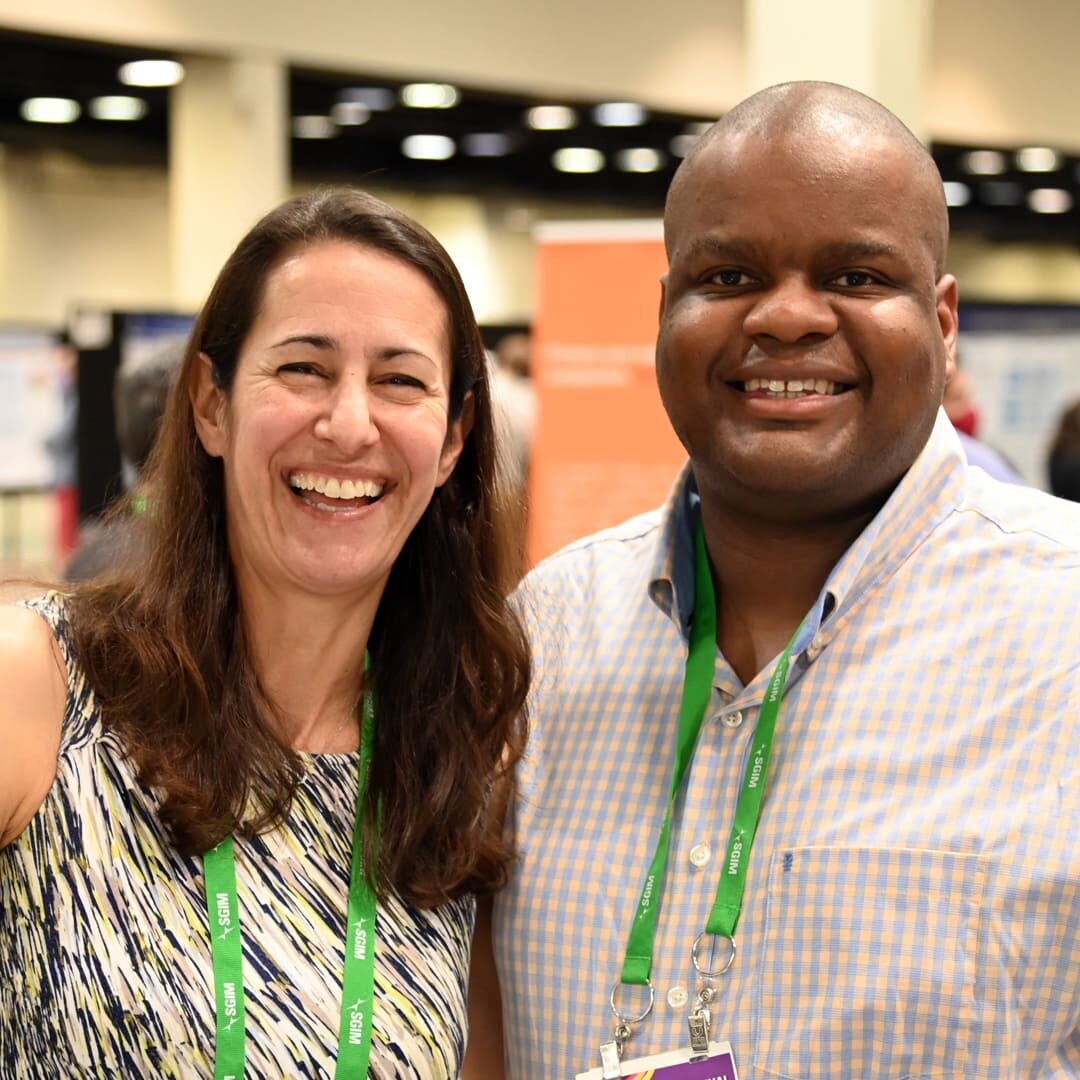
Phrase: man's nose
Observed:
(349, 420)
(793, 310)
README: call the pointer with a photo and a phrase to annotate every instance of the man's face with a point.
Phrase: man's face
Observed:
(804, 341)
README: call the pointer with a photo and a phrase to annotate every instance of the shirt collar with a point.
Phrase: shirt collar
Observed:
(930, 490)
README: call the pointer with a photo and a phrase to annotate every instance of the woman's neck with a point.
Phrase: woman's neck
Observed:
(308, 653)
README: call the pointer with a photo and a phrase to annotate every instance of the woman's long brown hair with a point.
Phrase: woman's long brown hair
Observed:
(162, 639)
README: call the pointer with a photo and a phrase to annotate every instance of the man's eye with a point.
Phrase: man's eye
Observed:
(855, 279)
(731, 278)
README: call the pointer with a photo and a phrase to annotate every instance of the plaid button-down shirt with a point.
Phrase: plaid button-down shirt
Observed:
(913, 901)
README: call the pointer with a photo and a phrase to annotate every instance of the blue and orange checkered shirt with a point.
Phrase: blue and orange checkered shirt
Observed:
(913, 900)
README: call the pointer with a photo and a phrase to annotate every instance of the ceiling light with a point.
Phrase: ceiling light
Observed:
(619, 114)
(313, 127)
(350, 113)
(551, 118)
(984, 162)
(151, 73)
(430, 95)
(50, 110)
(428, 147)
(957, 193)
(639, 159)
(681, 145)
(1038, 159)
(487, 144)
(1049, 200)
(578, 159)
(376, 98)
(117, 107)
(1001, 193)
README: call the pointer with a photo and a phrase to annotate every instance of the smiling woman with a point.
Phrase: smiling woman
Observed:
(286, 722)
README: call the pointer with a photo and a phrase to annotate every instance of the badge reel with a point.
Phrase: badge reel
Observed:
(716, 1062)
(611, 1052)
(700, 1018)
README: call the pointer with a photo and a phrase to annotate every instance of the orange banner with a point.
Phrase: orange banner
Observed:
(603, 448)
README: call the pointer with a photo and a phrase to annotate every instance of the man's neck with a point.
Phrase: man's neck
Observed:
(767, 577)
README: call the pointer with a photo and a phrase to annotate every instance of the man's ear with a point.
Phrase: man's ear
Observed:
(208, 406)
(947, 304)
(663, 299)
(456, 434)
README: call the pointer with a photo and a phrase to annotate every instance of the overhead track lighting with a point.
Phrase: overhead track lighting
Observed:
(151, 73)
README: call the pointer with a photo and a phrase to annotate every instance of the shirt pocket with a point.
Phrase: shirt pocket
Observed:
(868, 966)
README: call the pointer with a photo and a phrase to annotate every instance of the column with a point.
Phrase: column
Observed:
(228, 163)
(880, 47)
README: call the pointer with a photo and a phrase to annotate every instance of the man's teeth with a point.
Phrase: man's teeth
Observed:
(792, 387)
(333, 488)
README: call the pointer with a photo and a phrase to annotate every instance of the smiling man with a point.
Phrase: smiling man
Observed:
(802, 793)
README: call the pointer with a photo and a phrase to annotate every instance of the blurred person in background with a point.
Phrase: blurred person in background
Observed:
(245, 782)
(515, 421)
(140, 390)
(961, 408)
(1063, 463)
(963, 411)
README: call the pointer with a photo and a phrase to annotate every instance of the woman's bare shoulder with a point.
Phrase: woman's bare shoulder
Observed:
(33, 693)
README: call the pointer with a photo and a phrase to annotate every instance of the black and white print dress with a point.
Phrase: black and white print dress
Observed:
(105, 966)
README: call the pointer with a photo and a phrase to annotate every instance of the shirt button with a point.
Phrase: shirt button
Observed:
(700, 854)
(732, 719)
(677, 997)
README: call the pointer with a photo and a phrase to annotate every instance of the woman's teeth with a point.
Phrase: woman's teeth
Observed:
(792, 387)
(333, 488)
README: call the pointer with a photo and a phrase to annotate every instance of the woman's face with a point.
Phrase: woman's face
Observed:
(336, 430)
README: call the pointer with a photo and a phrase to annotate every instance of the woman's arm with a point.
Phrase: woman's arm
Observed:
(484, 1054)
(33, 692)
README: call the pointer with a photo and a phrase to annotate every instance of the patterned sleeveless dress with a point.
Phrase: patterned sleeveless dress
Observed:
(105, 966)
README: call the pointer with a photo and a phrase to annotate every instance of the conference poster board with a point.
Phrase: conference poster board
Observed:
(603, 449)
(36, 402)
(103, 340)
(1024, 364)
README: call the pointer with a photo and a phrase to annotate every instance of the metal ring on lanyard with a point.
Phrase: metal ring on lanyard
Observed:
(620, 1016)
(727, 963)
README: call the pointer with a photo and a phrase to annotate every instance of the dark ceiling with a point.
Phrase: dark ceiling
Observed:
(997, 206)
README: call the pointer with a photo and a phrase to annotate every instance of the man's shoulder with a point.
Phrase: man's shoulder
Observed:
(1026, 517)
(630, 543)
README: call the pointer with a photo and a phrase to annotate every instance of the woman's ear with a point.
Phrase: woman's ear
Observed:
(456, 435)
(208, 406)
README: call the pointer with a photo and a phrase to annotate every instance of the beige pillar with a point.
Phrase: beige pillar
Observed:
(880, 47)
(228, 163)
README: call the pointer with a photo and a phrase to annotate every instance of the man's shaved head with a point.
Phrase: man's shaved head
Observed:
(834, 120)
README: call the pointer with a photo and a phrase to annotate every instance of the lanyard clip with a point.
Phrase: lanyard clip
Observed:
(698, 1022)
(610, 1056)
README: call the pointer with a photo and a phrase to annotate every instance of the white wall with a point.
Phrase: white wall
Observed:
(999, 71)
(1006, 72)
(76, 233)
(686, 55)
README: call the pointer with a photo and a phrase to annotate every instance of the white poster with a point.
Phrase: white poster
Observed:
(36, 401)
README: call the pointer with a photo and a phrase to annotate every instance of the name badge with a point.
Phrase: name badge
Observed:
(676, 1065)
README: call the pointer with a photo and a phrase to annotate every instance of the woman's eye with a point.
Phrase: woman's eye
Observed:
(298, 369)
(404, 380)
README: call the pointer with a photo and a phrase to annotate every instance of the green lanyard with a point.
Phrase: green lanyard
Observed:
(354, 1035)
(697, 688)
